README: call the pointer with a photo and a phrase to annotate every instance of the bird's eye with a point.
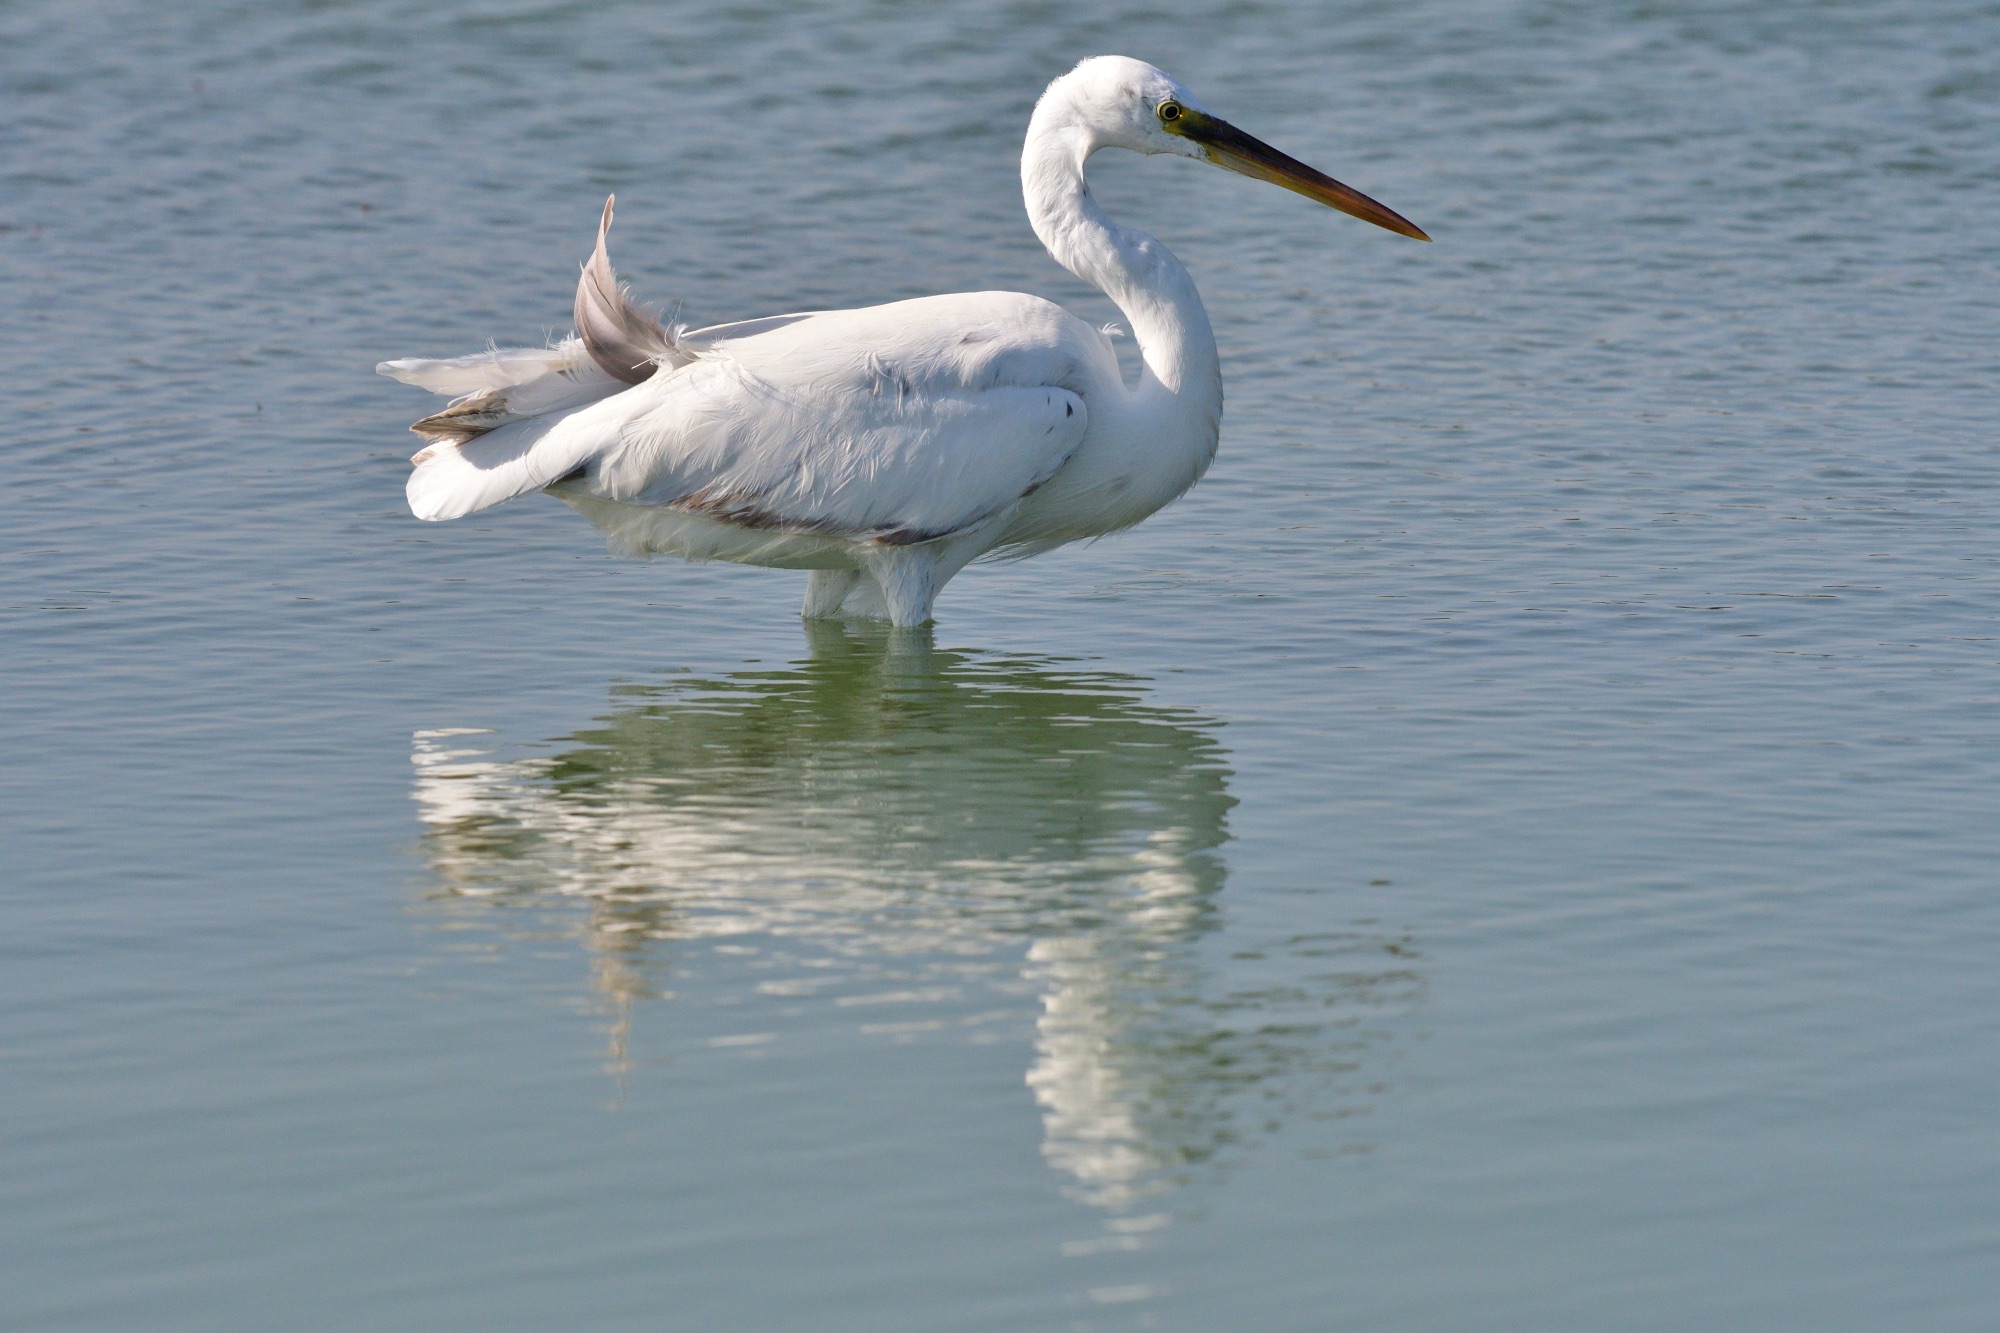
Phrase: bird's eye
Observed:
(1170, 112)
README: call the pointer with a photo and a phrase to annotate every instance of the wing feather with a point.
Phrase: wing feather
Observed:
(452, 480)
(623, 337)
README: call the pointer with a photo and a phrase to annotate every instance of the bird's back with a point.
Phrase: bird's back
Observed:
(906, 422)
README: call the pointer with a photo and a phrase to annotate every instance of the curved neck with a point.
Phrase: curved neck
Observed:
(1139, 274)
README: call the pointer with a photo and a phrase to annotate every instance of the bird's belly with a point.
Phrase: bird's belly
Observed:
(637, 529)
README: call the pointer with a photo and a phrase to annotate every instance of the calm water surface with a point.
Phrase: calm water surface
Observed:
(1515, 848)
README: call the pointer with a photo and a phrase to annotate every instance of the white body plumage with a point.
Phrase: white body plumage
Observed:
(881, 448)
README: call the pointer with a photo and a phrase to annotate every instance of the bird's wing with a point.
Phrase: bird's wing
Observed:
(898, 423)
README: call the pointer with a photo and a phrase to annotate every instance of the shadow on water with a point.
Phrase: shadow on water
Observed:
(979, 822)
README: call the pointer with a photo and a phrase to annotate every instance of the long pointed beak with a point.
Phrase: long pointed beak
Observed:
(1230, 147)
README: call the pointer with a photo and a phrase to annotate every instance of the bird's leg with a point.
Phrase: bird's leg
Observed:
(866, 601)
(907, 576)
(826, 589)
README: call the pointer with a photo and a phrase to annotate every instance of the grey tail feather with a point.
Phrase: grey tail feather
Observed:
(622, 336)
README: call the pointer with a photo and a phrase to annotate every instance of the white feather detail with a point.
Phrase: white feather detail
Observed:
(453, 480)
(501, 386)
(495, 368)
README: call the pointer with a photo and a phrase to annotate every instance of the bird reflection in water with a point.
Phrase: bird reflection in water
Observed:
(911, 813)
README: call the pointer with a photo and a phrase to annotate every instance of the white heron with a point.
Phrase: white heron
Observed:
(881, 449)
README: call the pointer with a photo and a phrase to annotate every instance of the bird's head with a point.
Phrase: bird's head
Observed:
(1125, 103)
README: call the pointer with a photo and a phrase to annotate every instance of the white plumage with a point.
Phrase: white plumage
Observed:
(881, 448)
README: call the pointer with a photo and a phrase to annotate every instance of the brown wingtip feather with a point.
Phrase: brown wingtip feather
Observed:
(623, 337)
(464, 420)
